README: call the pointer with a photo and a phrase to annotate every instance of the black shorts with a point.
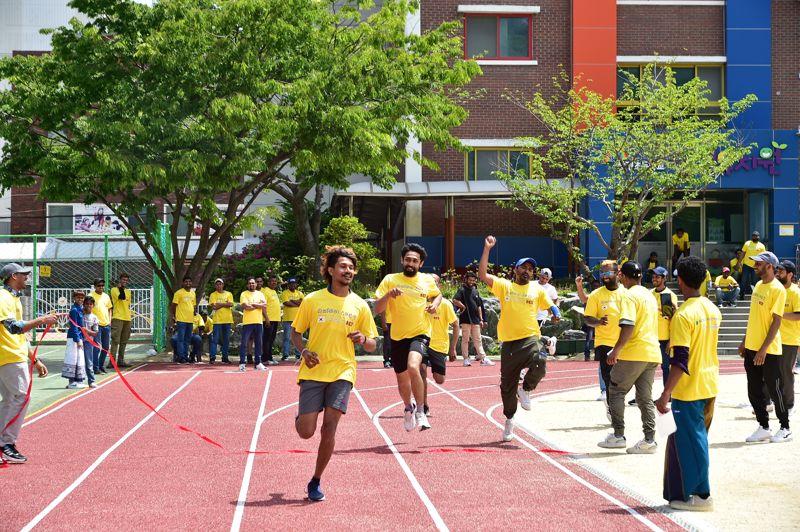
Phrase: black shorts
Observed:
(400, 349)
(436, 361)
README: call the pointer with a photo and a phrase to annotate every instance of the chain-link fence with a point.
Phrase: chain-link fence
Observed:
(62, 264)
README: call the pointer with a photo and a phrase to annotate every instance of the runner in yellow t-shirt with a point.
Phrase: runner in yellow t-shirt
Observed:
(182, 310)
(692, 386)
(761, 350)
(221, 303)
(441, 346)
(338, 320)
(751, 248)
(634, 359)
(291, 299)
(790, 329)
(518, 330)
(680, 246)
(408, 296)
(727, 288)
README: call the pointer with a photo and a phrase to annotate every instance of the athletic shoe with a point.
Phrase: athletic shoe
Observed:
(242, 368)
(315, 491)
(409, 419)
(524, 399)
(733, 304)
(271, 362)
(426, 410)
(643, 447)
(761, 434)
(782, 435)
(694, 504)
(508, 430)
(261, 367)
(93, 385)
(12, 455)
(613, 442)
(76, 386)
(486, 361)
(467, 362)
(226, 360)
(422, 420)
(602, 396)
(284, 358)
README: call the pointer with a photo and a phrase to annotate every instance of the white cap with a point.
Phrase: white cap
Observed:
(546, 271)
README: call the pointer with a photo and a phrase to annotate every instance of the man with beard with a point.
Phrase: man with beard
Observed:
(761, 350)
(634, 359)
(338, 319)
(472, 318)
(790, 329)
(667, 305)
(751, 248)
(602, 312)
(518, 331)
(407, 296)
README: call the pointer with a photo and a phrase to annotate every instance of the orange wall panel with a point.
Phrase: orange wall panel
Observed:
(594, 44)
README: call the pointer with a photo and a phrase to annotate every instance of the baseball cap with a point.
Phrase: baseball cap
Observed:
(11, 268)
(726, 270)
(292, 280)
(522, 261)
(660, 271)
(219, 280)
(788, 266)
(768, 257)
(631, 269)
(546, 271)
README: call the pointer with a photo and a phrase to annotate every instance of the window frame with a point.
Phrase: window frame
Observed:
(498, 16)
(696, 66)
(474, 153)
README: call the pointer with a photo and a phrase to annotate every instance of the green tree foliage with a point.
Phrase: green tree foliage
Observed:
(348, 231)
(629, 158)
(200, 103)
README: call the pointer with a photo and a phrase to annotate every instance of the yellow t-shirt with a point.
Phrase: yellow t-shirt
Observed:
(289, 313)
(790, 330)
(605, 302)
(663, 321)
(208, 327)
(751, 249)
(682, 242)
(696, 326)
(222, 315)
(440, 326)
(408, 309)
(639, 307)
(250, 317)
(186, 303)
(519, 305)
(102, 304)
(768, 299)
(735, 267)
(331, 318)
(726, 284)
(704, 286)
(273, 304)
(121, 307)
(652, 265)
(199, 324)
(13, 347)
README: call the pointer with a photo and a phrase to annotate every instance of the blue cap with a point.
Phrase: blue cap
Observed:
(291, 280)
(522, 261)
(660, 271)
(768, 257)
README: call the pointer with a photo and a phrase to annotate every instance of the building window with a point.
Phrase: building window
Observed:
(497, 37)
(711, 74)
(482, 164)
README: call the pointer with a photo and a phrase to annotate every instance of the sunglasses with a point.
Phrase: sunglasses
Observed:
(608, 274)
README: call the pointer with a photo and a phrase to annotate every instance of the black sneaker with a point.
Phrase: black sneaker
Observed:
(314, 491)
(226, 361)
(12, 455)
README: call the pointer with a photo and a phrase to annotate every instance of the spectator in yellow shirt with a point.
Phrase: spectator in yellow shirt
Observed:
(736, 265)
(680, 246)
(183, 307)
(221, 303)
(120, 320)
(751, 248)
(273, 318)
(727, 288)
(291, 299)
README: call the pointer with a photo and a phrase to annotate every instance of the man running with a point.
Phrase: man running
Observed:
(338, 320)
(518, 331)
(407, 297)
(441, 346)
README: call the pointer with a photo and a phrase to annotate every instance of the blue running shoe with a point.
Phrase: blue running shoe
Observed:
(314, 491)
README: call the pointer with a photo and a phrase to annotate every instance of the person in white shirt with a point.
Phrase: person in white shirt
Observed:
(544, 279)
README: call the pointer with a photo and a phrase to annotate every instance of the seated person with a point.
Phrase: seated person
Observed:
(652, 264)
(727, 288)
(196, 341)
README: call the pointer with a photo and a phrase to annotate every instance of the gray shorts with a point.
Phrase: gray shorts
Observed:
(315, 396)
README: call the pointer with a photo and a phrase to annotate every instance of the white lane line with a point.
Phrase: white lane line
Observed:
(248, 469)
(432, 511)
(36, 520)
(84, 394)
(488, 415)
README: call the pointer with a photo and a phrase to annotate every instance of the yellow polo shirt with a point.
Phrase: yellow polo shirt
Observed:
(696, 326)
(440, 326)
(790, 330)
(519, 305)
(768, 299)
(273, 304)
(121, 307)
(102, 304)
(13, 347)
(186, 303)
(605, 302)
(726, 284)
(663, 321)
(639, 307)
(289, 313)
(250, 317)
(223, 315)
(735, 267)
(682, 242)
(408, 309)
(751, 249)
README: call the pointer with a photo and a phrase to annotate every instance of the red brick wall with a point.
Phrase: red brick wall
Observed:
(670, 30)
(27, 211)
(479, 218)
(786, 64)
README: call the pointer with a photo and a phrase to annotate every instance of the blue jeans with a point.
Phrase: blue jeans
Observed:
(256, 331)
(287, 341)
(196, 341)
(88, 359)
(728, 296)
(183, 336)
(600, 376)
(749, 277)
(103, 338)
(220, 333)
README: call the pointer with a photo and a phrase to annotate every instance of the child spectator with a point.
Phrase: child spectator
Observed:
(91, 328)
(74, 369)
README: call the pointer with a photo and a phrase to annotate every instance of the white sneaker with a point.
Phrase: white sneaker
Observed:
(271, 362)
(467, 362)
(613, 442)
(694, 504)
(242, 368)
(524, 398)
(261, 367)
(508, 430)
(761, 434)
(643, 447)
(602, 396)
(409, 419)
(486, 361)
(782, 435)
(422, 420)
(75, 385)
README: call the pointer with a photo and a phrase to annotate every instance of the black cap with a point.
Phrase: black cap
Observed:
(788, 266)
(631, 269)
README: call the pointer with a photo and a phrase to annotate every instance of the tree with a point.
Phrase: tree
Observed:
(348, 231)
(630, 155)
(204, 104)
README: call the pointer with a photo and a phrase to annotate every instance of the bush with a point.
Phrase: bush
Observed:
(348, 231)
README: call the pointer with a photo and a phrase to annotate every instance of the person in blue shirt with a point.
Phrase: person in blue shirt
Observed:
(74, 369)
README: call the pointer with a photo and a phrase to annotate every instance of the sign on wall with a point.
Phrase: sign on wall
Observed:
(95, 219)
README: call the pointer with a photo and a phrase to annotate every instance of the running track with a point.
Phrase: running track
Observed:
(101, 460)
